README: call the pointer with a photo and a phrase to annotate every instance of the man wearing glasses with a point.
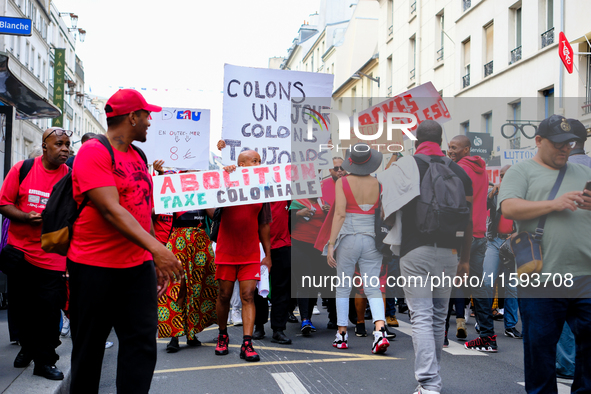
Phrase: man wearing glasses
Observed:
(566, 252)
(37, 286)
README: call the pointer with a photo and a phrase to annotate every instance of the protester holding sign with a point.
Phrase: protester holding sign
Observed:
(237, 258)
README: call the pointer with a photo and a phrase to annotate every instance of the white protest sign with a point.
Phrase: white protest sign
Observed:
(246, 185)
(180, 137)
(268, 111)
(514, 156)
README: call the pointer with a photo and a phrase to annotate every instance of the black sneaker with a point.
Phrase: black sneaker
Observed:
(483, 344)
(389, 334)
(445, 342)
(513, 333)
(291, 318)
(173, 345)
(360, 330)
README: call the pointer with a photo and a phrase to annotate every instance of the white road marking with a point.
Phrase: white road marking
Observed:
(289, 383)
(562, 388)
(455, 348)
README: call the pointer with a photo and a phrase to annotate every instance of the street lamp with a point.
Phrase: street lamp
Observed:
(73, 18)
(358, 76)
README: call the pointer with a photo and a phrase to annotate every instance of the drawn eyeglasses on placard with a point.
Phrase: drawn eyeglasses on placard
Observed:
(510, 130)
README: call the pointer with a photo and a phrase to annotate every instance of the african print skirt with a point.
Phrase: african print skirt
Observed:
(192, 247)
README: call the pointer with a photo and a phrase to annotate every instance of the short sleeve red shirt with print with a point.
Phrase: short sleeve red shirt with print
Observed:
(32, 195)
(95, 241)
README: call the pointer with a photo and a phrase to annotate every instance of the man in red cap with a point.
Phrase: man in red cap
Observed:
(113, 253)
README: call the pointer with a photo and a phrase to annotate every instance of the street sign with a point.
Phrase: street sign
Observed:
(565, 51)
(482, 144)
(15, 26)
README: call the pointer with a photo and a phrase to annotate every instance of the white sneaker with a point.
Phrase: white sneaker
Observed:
(380, 342)
(341, 340)
(315, 311)
(108, 345)
(65, 326)
(237, 317)
(421, 390)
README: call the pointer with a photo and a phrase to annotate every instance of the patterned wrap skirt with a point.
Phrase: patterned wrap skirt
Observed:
(192, 248)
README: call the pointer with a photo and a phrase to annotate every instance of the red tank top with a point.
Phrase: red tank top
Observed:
(238, 237)
(352, 206)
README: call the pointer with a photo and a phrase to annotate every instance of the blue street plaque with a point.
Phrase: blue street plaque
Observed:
(15, 26)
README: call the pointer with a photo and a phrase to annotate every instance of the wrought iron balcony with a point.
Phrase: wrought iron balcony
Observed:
(390, 91)
(390, 30)
(515, 55)
(465, 81)
(547, 37)
(413, 7)
(440, 55)
(488, 69)
(466, 4)
(412, 74)
(586, 107)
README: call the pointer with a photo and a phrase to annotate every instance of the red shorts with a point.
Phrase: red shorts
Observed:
(240, 272)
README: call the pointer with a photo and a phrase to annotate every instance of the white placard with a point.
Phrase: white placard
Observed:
(180, 137)
(263, 111)
(246, 185)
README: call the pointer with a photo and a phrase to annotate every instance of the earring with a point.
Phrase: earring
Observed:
(133, 124)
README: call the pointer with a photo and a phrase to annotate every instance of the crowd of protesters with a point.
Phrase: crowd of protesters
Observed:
(172, 275)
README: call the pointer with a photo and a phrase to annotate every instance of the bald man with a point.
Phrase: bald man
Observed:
(475, 167)
(38, 289)
(238, 259)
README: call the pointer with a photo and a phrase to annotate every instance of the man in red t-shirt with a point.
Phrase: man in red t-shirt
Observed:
(113, 254)
(38, 289)
(237, 257)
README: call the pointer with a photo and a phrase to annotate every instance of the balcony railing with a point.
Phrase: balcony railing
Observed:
(412, 74)
(390, 30)
(440, 55)
(515, 55)
(465, 81)
(466, 4)
(488, 68)
(390, 91)
(413, 7)
(547, 37)
(586, 107)
(69, 110)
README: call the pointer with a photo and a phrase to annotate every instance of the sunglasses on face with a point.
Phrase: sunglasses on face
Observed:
(560, 145)
(339, 168)
(59, 133)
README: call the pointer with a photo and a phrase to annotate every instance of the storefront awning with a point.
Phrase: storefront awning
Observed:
(14, 92)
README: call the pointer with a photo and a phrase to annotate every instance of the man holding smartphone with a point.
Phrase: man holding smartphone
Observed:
(566, 252)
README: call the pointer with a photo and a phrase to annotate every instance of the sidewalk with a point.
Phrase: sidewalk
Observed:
(17, 380)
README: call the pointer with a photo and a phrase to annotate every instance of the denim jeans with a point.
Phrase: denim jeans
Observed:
(492, 266)
(543, 321)
(428, 308)
(479, 293)
(565, 353)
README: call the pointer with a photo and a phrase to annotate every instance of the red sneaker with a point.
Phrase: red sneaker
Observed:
(222, 347)
(247, 352)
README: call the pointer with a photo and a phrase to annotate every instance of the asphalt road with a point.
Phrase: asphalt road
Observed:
(312, 365)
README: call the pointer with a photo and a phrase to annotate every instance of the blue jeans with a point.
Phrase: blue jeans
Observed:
(479, 294)
(492, 265)
(565, 353)
(543, 321)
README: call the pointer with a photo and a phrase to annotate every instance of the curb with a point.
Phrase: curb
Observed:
(28, 383)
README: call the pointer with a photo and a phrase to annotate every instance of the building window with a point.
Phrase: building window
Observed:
(466, 64)
(515, 142)
(389, 76)
(487, 122)
(441, 23)
(312, 61)
(587, 105)
(413, 7)
(412, 57)
(390, 16)
(548, 102)
(466, 4)
(465, 127)
(488, 56)
(33, 59)
(39, 66)
(516, 53)
(548, 34)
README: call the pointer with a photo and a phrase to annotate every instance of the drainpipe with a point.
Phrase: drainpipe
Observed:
(561, 67)
(419, 46)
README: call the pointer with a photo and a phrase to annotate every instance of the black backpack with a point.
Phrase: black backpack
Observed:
(62, 210)
(442, 209)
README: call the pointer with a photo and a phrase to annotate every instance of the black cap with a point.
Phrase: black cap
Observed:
(556, 128)
(578, 129)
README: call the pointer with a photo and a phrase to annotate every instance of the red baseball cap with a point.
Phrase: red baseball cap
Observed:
(126, 101)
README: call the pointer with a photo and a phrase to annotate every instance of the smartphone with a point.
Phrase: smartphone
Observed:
(587, 186)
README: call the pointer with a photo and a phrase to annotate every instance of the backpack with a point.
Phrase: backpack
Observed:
(62, 210)
(442, 209)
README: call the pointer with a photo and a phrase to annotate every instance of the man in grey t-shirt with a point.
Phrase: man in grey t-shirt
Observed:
(577, 155)
(566, 252)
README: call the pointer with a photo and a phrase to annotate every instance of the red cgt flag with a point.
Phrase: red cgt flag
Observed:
(565, 51)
